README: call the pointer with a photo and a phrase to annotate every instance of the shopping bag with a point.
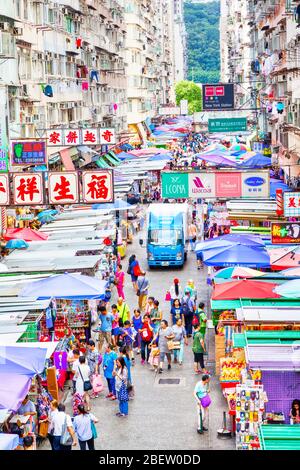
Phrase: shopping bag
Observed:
(43, 429)
(168, 297)
(173, 345)
(97, 383)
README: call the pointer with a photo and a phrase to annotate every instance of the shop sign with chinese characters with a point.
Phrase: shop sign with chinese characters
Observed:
(28, 152)
(285, 233)
(89, 136)
(291, 204)
(69, 187)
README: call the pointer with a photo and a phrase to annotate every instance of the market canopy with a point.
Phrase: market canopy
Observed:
(215, 159)
(22, 360)
(237, 255)
(9, 441)
(13, 389)
(66, 286)
(273, 356)
(256, 161)
(26, 234)
(246, 289)
(290, 289)
(230, 239)
(238, 271)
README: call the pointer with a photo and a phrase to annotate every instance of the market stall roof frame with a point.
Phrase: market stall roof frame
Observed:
(279, 437)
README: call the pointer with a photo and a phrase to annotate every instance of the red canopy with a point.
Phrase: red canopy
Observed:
(26, 234)
(244, 289)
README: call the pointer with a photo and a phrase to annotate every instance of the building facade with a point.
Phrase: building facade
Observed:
(273, 36)
(84, 63)
(180, 42)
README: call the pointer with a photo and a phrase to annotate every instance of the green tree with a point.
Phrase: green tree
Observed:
(186, 90)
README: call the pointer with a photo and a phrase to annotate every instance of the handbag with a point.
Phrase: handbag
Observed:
(94, 430)
(205, 401)
(66, 438)
(97, 384)
(173, 345)
(168, 297)
(86, 383)
(43, 429)
(123, 392)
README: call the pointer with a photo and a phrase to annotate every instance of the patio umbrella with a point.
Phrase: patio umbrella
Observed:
(22, 360)
(215, 159)
(46, 218)
(291, 272)
(284, 258)
(16, 244)
(230, 240)
(238, 271)
(66, 286)
(256, 161)
(3, 268)
(237, 255)
(51, 212)
(290, 289)
(245, 289)
(26, 234)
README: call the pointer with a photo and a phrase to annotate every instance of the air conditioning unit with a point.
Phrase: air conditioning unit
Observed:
(18, 31)
(103, 124)
(5, 26)
(36, 117)
(40, 56)
(28, 119)
(56, 56)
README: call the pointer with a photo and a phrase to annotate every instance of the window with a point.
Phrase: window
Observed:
(165, 237)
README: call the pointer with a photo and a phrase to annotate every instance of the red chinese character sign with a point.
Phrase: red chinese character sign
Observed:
(72, 137)
(27, 189)
(90, 137)
(107, 136)
(97, 186)
(55, 137)
(4, 190)
(63, 188)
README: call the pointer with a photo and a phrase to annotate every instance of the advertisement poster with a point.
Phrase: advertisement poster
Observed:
(228, 185)
(202, 185)
(28, 152)
(285, 233)
(256, 184)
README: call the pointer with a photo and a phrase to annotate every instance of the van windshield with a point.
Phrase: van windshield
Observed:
(165, 237)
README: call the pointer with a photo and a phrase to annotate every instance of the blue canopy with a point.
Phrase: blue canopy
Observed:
(160, 157)
(237, 255)
(277, 184)
(230, 240)
(48, 211)
(66, 286)
(119, 204)
(22, 360)
(16, 244)
(257, 161)
(126, 147)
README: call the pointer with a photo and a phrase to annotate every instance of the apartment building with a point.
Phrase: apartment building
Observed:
(180, 42)
(149, 62)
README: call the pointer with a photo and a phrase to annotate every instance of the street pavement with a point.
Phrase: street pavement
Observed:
(162, 417)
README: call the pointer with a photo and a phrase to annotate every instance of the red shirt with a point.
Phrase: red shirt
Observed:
(146, 335)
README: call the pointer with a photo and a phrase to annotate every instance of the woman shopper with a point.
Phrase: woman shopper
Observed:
(198, 349)
(155, 316)
(146, 333)
(82, 376)
(176, 312)
(134, 270)
(175, 291)
(60, 422)
(84, 425)
(109, 359)
(164, 335)
(120, 277)
(121, 375)
(180, 335)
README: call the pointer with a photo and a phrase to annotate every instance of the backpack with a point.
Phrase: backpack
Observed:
(185, 307)
(195, 321)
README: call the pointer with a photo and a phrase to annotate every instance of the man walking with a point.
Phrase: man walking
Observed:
(142, 291)
(188, 309)
(203, 401)
(124, 311)
(106, 320)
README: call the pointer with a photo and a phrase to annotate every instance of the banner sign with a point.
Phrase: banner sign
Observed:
(222, 184)
(29, 152)
(285, 233)
(89, 136)
(217, 97)
(4, 160)
(227, 125)
(68, 187)
(291, 204)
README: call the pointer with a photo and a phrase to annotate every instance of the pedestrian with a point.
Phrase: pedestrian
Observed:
(58, 421)
(179, 335)
(146, 333)
(155, 316)
(84, 425)
(164, 335)
(120, 277)
(142, 290)
(109, 359)
(134, 270)
(199, 256)
(176, 312)
(137, 322)
(154, 356)
(202, 318)
(175, 291)
(198, 349)
(127, 336)
(192, 233)
(106, 320)
(125, 353)
(201, 394)
(115, 331)
(93, 359)
(28, 443)
(149, 305)
(124, 311)
(82, 375)
(121, 375)
(188, 309)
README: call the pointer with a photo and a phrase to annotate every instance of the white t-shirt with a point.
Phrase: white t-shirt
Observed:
(57, 422)
(85, 372)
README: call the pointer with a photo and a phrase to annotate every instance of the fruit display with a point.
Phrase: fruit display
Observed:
(231, 369)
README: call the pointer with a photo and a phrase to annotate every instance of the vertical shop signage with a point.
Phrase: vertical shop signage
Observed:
(107, 136)
(97, 186)
(63, 187)
(90, 137)
(291, 204)
(4, 161)
(27, 189)
(55, 138)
